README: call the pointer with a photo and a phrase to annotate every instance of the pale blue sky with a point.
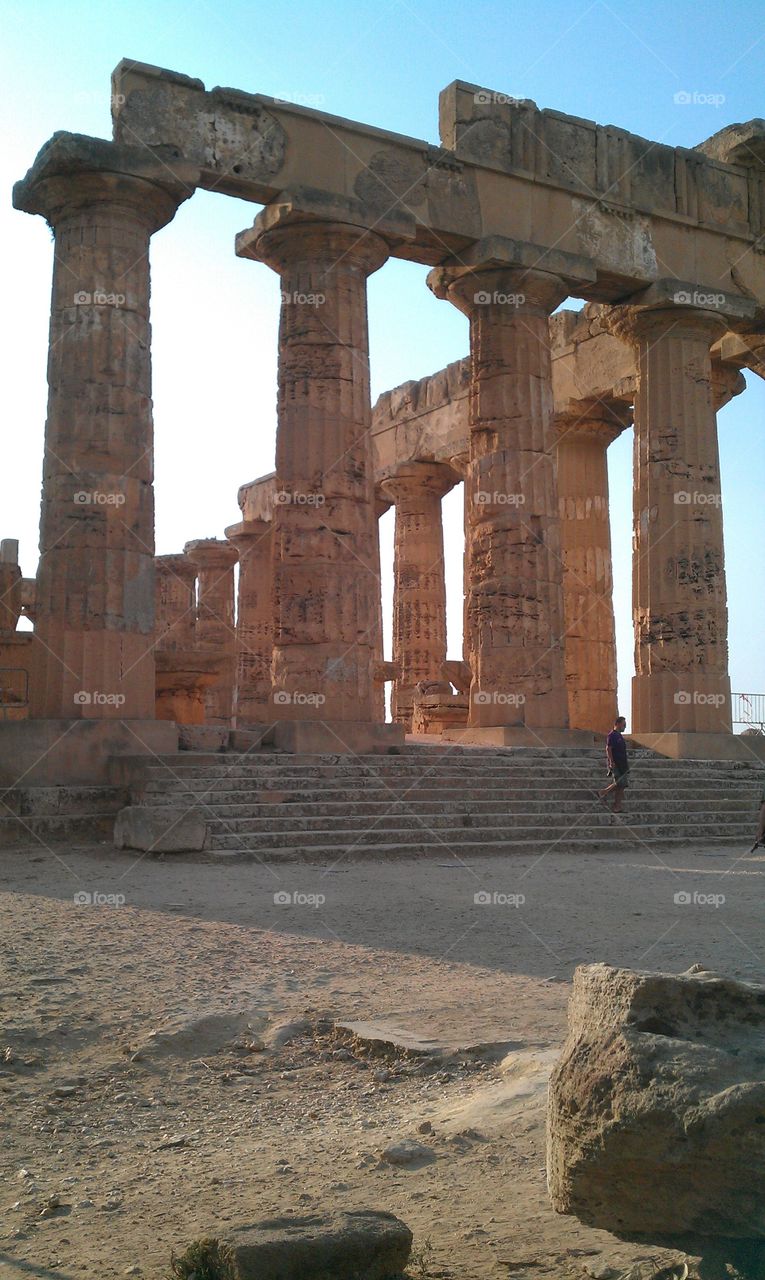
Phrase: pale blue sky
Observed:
(215, 316)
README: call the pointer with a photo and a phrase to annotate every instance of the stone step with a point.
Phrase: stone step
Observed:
(241, 818)
(236, 833)
(603, 843)
(558, 794)
(26, 802)
(302, 766)
(59, 829)
(297, 807)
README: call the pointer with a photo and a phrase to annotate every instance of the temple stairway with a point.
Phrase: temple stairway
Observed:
(453, 801)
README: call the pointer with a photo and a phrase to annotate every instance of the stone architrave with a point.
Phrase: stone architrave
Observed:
(214, 561)
(584, 435)
(94, 630)
(514, 612)
(325, 638)
(254, 622)
(679, 602)
(419, 582)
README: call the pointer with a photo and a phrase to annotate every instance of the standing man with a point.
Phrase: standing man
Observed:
(618, 767)
(761, 828)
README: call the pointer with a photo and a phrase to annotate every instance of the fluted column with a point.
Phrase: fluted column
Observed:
(324, 521)
(679, 590)
(419, 583)
(214, 561)
(588, 610)
(515, 601)
(381, 506)
(95, 585)
(253, 703)
(176, 579)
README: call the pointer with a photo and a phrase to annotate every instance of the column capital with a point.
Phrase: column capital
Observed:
(595, 420)
(243, 535)
(413, 478)
(636, 324)
(73, 171)
(282, 242)
(727, 381)
(211, 553)
(178, 566)
(495, 287)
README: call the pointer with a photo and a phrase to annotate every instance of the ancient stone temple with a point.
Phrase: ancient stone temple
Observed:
(276, 627)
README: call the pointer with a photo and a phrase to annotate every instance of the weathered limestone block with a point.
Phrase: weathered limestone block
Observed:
(656, 1121)
(436, 708)
(419, 580)
(360, 1245)
(325, 638)
(165, 830)
(214, 561)
(95, 584)
(176, 606)
(10, 587)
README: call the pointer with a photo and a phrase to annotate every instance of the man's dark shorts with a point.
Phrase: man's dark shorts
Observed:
(621, 778)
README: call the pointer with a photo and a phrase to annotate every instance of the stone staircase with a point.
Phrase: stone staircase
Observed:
(454, 801)
(55, 815)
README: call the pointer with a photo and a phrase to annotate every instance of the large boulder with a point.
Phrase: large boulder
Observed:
(656, 1120)
(365, 1245)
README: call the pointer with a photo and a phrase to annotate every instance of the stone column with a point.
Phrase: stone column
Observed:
(419, 584)
(679, 593)
(94, 630)
(381, 506)
(324, 521)
(253, 703)
(214, 561)
(176, 606)
(514, 621)
(584, 435)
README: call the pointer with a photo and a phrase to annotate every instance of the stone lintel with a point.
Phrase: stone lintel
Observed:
(73, 169)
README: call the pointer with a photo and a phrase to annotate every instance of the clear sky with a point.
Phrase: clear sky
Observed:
(215, 317)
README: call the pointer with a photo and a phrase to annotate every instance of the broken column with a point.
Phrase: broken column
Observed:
(95, 584)
(584, 434)
(254, 622)
(185, 671)
(214, 561)
(680, 611)
(514, 612)
(324, 519)
(419, 583)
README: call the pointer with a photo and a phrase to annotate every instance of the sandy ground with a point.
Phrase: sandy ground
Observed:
(151, 1093)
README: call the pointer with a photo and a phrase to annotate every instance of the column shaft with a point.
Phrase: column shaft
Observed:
(588, 610)
(253, 702)
(679, 591)
(324, 518)
(215, 629)
(419, 587)
(94, 630)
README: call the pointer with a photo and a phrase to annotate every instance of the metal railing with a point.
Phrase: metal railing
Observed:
(14, 690)
(749, 711)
